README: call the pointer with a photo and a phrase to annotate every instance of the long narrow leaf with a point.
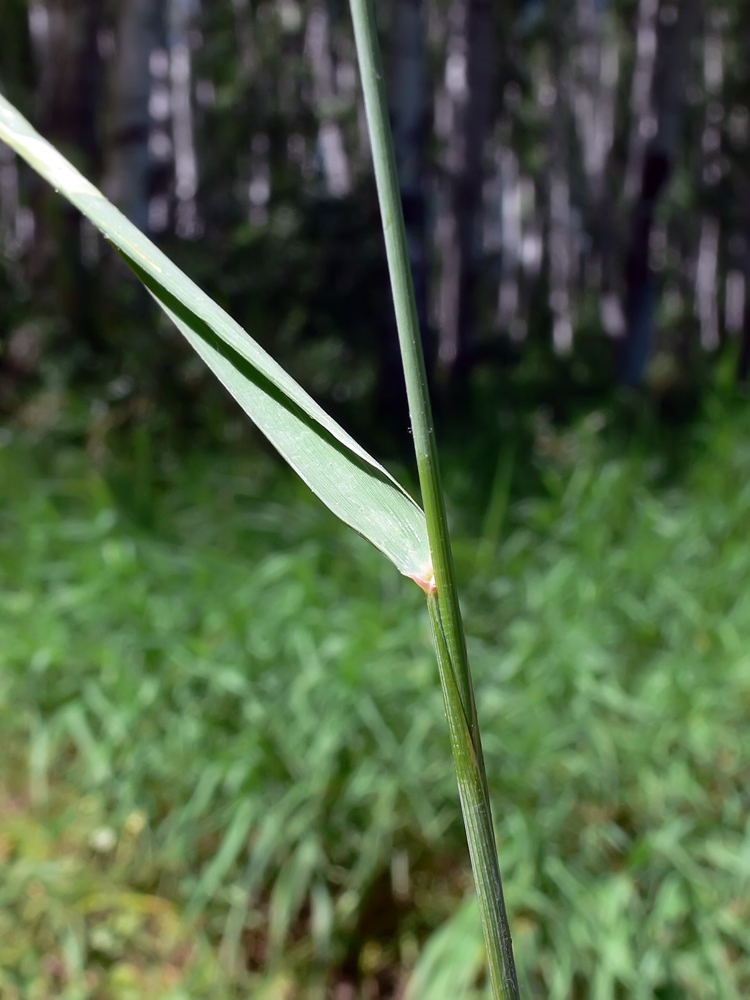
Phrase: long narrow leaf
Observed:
(348, 481)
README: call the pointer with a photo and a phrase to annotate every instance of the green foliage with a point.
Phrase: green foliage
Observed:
(72, 928)
(622, 683)
(191, 679)
(227, 674)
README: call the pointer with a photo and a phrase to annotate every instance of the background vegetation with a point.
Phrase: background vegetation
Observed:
(214, 711)
(225, 771)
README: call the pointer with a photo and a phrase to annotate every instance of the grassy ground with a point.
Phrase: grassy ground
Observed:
(226, 769)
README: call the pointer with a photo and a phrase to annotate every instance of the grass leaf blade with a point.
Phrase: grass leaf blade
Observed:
(337, 469)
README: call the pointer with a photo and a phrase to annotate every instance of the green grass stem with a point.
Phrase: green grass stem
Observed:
(442, 593)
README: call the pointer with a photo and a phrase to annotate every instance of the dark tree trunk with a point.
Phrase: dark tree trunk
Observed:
(410, 116)
(17, 83)
(409, 103)
(743, 364)
(69, 70)
(471, 75)
(667, 109)
(16, 73)
(128, 168)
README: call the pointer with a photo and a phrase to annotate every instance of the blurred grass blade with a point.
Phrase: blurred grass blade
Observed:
(348, 481)
(289, 891)
(233, 842)
(452, 960)
(321, 919)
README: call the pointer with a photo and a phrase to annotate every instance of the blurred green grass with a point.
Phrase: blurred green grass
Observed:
(224, 728)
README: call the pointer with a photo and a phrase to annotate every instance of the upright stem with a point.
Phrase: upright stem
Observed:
(442, 594)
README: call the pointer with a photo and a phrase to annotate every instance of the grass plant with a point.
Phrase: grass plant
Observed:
(352, 484)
